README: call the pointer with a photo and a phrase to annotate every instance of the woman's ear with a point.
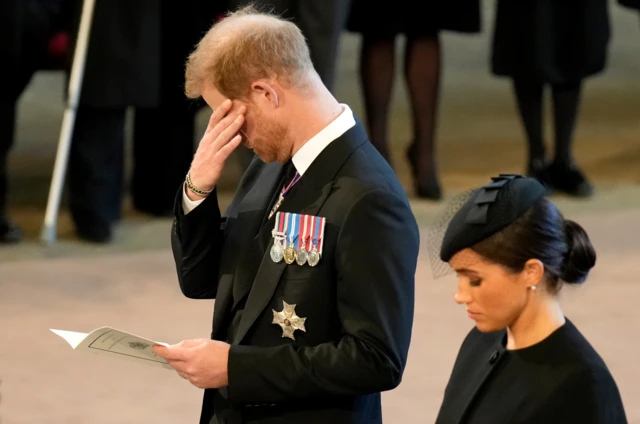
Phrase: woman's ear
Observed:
(533, 272)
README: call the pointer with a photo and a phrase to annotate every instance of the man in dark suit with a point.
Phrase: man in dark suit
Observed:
(312, 266)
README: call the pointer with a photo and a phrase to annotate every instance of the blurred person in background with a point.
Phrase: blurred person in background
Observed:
(552, 44)
(164, 135)
(27, 44)
(135, 58)
(379, 26)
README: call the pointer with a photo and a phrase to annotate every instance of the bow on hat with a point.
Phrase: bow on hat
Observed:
(487, 195)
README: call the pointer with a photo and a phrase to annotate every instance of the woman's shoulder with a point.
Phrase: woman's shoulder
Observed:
(571, 346)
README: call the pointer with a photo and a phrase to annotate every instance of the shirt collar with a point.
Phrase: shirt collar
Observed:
(310, 150)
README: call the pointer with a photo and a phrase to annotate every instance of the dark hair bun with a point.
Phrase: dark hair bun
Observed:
(581, 256)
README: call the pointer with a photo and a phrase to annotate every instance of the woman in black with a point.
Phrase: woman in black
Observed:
(525, 362)
(421, 22)
(554, 44)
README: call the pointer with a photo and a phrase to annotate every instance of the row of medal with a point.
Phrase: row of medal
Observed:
(297, 238)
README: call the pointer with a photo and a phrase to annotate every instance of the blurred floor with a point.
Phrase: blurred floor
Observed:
(131, 284)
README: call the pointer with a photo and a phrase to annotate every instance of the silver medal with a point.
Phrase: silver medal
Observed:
(277, 250)
(314, 257)
(302, 256)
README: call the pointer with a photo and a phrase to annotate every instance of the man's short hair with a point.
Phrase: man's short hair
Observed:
(245, 46)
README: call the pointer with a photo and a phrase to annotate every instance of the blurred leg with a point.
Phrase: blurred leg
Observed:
(377, 65)
(96, 165)
(422, 75)
(564, 172)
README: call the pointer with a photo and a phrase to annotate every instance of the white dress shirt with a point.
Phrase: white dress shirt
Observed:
(309, 151)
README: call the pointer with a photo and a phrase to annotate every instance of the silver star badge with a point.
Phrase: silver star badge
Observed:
(288, 320)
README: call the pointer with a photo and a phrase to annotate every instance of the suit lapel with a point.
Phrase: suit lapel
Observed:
(249, 215)
(306, 197)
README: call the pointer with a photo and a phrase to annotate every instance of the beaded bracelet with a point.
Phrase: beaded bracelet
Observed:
(193, 188)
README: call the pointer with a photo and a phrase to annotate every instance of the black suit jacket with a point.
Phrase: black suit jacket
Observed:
(358, 301)
(560, 380)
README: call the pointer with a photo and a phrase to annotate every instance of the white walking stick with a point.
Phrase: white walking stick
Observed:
(48, 234)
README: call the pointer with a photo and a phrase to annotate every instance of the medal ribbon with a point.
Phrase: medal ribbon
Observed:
(292, 228)
(278, 227)
(312, 232)
(316, 233)
(286, 189)
(283, 193)
(286, 226)
(323, 221)
(303, 231)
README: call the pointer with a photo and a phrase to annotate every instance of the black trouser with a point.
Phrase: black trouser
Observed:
(30, 61)
(163, 149)
(96, 164)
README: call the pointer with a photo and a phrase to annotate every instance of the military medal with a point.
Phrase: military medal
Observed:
(277, 251)
(283, 194)
(290, 251)
(317, 236)
(279, 234)
(303, 255)
(288, 320)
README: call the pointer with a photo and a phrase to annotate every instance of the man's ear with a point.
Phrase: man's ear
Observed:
(265, 93)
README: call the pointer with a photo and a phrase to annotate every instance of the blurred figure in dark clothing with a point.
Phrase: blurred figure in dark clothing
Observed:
(163, 136)
(26, 29)
(379, 26)
(555, 44)
(135, 58)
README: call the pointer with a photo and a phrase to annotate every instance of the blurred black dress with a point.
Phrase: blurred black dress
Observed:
(414, 17)
(550, 41)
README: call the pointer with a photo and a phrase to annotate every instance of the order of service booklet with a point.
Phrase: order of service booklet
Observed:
(115, 343)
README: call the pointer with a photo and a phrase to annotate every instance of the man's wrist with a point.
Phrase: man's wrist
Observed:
(193, 196)
(196, 193)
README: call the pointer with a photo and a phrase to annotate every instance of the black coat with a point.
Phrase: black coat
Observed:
(557, 381)
(123, 57)
(414, 18)
(26, 26)
(137, 50)
(549, 40)
(358, 300)
(11, 12)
